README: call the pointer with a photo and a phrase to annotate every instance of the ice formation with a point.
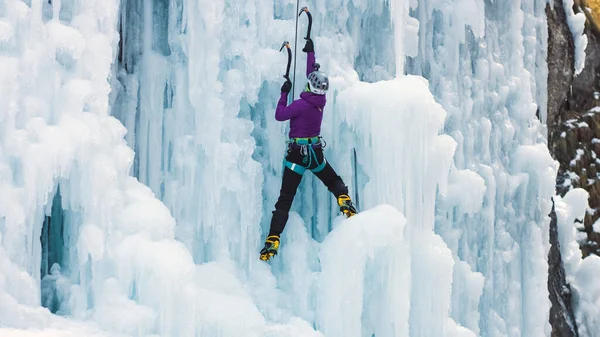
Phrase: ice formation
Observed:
(140, 161)
(576, 22)
(581, 273)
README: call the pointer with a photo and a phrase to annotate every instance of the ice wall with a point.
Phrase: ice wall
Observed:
(491, 78)
(181, 101)
(249, 60)
(406, 162)
(455, 148)
(121, 271)
(240, 88)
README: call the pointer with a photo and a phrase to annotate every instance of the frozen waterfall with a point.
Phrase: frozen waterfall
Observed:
(140, 161)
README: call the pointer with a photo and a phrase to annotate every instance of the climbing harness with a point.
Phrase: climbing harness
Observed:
(307, 150)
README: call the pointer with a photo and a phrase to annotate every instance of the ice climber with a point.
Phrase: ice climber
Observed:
(305, 149)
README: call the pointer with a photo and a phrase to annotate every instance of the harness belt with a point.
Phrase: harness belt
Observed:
(306, 148)
(306, 141)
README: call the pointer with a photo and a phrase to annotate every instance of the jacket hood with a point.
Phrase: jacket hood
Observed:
(318, 101)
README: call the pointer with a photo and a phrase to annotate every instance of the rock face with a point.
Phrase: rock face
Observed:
(574, 114)
(561, 51)
(578, 150)
(561, 312)
(573, 140)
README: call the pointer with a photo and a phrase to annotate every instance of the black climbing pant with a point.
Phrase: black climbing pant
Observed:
(291, 180)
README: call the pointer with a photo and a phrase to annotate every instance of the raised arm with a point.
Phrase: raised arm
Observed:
(310, 61)
(309, 49)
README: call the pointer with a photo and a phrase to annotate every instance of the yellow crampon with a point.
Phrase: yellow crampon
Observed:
(346, 205)
(271, 247)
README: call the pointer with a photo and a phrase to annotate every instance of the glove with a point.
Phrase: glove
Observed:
(287, 86)
(309, 47)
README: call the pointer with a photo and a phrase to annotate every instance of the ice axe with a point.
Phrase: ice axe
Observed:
(286, 44)
(305, 10)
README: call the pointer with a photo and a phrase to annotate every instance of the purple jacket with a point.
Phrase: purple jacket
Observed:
(305, 114)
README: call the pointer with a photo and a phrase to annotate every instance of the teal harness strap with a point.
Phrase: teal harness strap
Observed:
(295, 167)
(306, 142)
(321, 166)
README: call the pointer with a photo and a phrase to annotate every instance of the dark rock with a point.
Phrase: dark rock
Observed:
(563, 141)
(561, 51)
(561, 312)
(570, 103)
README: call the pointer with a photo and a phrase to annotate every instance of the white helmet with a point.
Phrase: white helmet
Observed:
(318, 83)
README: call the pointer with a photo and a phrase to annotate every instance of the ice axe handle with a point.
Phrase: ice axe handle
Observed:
(286, 44)
(305, 10)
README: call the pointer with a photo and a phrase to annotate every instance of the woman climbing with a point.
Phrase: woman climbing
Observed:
(305, 149)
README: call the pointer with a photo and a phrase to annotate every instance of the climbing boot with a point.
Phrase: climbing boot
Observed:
(271, 247)
(346, 205)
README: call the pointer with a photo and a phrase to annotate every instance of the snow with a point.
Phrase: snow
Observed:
(587, 296)
(353, 300)
(581, 273)
(578, 154)
(577, 25)
(160, 164)
(471, 13)
(72, 332)
(572, 206)
(466, 191)
(596, 226)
